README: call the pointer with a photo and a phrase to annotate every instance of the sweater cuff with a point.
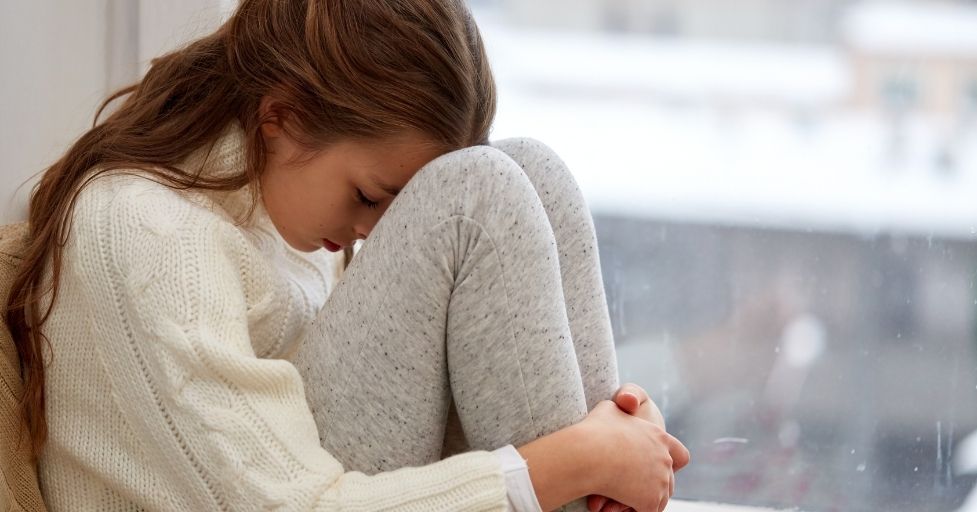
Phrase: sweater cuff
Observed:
(519, 487)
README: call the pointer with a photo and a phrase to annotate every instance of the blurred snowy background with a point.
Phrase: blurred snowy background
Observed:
(785, 193)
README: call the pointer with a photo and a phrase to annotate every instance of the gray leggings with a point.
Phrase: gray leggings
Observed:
(472, 317)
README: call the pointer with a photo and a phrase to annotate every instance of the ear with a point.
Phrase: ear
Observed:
(271, 124)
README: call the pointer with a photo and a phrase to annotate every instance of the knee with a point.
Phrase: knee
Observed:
(526, 150)
(548, 172)
(539, 161)
(478, 170)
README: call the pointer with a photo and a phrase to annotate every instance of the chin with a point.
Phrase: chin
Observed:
(309, 248)
(302, 246)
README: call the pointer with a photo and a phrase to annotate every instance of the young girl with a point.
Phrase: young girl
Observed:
(197, 354)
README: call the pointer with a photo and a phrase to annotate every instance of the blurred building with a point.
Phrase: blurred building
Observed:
(913, 56)
(786, 20)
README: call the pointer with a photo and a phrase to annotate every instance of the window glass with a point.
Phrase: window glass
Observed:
(899, 92)
(787, 218)
(970, 95)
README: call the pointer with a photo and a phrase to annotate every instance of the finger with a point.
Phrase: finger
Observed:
(663, 504)
(627, 402)
(633, 389)
(595, 502)
(680, 454)
(671, 484)
(649, 411)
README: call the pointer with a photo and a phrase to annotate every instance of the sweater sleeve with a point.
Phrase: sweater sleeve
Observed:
(225, 429)
(519, 487)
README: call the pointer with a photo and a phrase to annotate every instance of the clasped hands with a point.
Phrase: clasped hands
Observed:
(634, 400)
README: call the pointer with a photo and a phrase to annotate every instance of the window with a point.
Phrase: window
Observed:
(805, 316)
(970, 95)
(899, 92)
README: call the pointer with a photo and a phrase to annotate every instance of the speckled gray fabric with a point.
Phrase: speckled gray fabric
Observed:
(472, 317)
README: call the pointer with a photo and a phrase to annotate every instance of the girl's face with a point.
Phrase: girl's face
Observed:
(337, 195)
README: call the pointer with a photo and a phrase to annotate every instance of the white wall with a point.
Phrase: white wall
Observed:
(54, 72)
(168, 24)
(60, 58)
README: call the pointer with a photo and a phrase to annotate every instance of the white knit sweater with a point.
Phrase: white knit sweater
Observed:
(167, 389)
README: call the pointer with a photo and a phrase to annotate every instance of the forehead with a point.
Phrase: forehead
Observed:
(389, 162)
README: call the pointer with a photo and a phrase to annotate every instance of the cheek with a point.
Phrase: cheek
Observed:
(369, 219)
(324, 216)
(328, 213)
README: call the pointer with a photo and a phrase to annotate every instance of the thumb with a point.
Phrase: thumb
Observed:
(628, 402)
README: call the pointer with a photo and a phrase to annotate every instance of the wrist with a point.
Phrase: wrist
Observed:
(590, 471)
(562, 466)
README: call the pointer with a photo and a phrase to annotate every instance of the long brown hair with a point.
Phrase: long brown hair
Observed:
(335, 68)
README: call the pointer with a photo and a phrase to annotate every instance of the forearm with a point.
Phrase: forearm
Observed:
(558, 467)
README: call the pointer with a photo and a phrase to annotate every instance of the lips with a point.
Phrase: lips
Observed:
(330, 245)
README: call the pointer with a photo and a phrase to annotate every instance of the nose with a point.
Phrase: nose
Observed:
(363, 227)
(361, 232)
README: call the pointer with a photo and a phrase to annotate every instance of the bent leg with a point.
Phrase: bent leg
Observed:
(583, 286)
(456, 296)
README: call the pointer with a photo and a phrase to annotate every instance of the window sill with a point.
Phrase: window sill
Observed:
(698, 506)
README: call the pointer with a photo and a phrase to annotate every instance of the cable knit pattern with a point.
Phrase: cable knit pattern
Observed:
(18, 476)
(167, 390)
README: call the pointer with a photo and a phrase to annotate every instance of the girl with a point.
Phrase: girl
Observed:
(201, 356)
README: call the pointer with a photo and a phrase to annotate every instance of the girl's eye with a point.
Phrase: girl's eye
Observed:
(363, 199)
